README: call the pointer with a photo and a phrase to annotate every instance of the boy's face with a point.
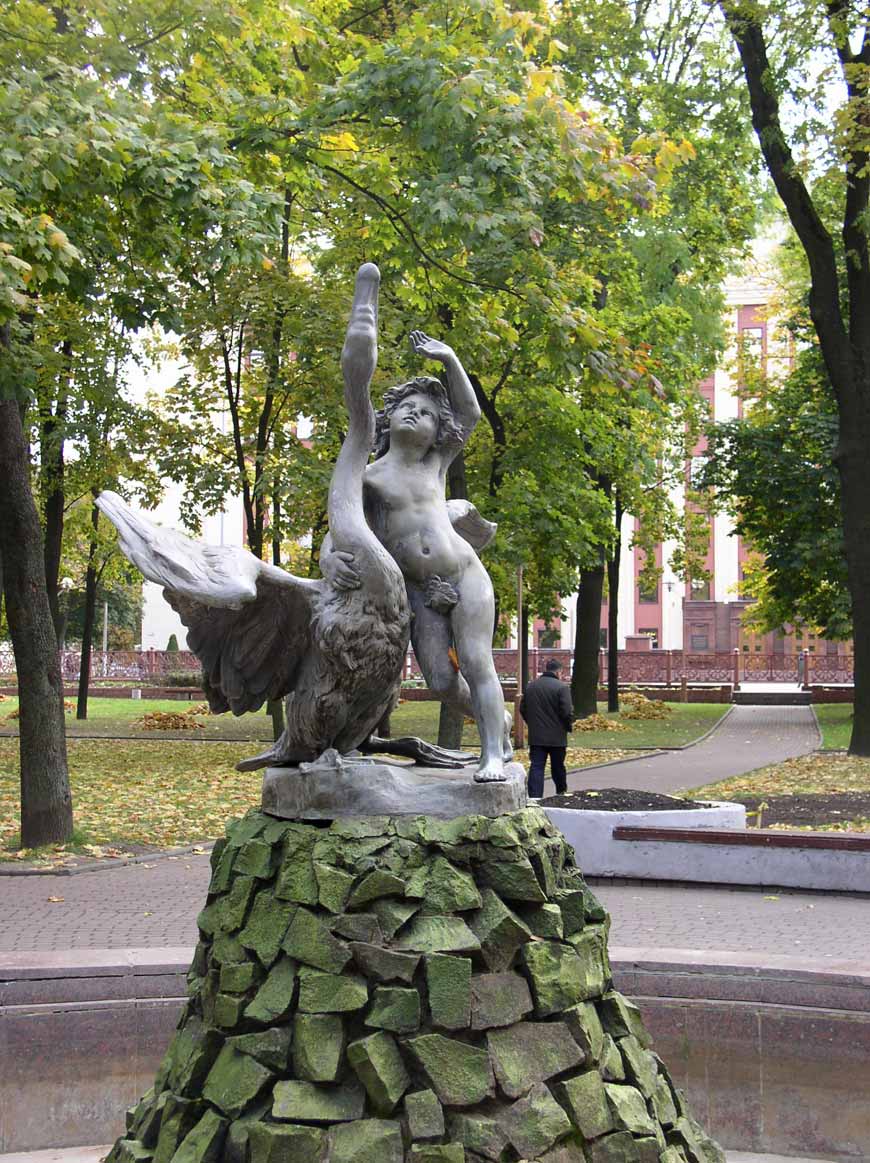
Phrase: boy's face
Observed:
(415, 419)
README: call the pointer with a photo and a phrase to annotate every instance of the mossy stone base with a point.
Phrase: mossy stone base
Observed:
(390, 989)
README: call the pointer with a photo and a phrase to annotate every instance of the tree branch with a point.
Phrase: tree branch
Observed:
(854, 231)
(396, 218)
(817, 243)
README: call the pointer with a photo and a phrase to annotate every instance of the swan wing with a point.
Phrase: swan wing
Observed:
(468, 523)
(248, 622)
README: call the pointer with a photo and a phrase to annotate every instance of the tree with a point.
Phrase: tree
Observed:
(46, 803)
(83, 161)
(821, 173)
(774, 470)
(489, 198)
(660, 72)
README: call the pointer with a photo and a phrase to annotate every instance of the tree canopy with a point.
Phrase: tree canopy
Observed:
(806, 67)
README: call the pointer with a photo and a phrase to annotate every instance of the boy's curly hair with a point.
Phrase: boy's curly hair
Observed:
(449, 432)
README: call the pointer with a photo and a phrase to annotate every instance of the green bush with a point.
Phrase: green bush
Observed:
(188, 678)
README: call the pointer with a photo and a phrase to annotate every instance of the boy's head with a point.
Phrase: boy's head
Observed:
(448, 431)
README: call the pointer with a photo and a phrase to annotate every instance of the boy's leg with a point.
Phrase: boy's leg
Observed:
(431, 639)
(537, 760)
(472, 620)
(557, 769)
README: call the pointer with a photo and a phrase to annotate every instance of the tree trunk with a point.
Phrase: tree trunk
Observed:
(383, 729)
(90, 619)
(46, 803)
(451, 722)
(523, 676)
(613, 611)
(843, 341)
(854, 469)
(51, 449)
(587, 642)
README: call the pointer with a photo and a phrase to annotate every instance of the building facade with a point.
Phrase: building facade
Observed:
(706, 616)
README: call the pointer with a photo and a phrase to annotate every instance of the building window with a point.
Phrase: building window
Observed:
(696, 467)
(699, 589)
(699, 640)
(647, 592)
(550, 637)
(651, 632)
(752, 342)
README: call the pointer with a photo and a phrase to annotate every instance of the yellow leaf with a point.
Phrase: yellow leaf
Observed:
(55, 900)
(337, 141)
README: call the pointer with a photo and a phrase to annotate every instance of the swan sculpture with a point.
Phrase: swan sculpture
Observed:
(335, 654)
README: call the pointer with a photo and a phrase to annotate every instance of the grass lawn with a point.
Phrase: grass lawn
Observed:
(158, 789)
(686, 722)
(135, 795)
(816, 775)
(116, 717)
(835, 723)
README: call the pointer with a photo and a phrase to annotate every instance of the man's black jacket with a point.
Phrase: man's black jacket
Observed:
(546, 707)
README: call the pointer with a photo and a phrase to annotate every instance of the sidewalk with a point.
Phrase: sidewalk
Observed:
(155, 905)
(747, 738)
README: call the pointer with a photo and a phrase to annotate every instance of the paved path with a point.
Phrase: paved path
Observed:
(156, 906)
(747, 738)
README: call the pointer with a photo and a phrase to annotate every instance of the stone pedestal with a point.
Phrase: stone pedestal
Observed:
(392, 988)
(335, 788)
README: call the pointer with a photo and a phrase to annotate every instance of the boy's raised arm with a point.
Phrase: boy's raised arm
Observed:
(462, 398)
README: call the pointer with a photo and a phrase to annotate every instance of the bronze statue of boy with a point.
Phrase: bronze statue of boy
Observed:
(419, 431)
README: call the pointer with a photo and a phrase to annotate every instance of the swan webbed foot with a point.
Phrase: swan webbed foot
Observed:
(424, 754)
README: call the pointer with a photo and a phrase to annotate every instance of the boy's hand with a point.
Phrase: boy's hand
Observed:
(339, 570)
(431, 348)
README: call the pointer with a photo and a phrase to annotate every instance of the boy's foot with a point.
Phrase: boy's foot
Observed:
(490, 771)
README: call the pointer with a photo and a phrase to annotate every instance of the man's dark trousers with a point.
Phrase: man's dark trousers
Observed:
(537, 761)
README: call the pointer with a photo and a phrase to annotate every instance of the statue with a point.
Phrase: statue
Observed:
(420, 430)
(396, 548)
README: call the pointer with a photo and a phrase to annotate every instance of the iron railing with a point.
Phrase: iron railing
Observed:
(656, 667)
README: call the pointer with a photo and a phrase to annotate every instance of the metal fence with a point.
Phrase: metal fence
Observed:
(657, 667)
(146, 666)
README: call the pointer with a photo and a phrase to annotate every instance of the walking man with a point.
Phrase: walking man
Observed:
(547, 709)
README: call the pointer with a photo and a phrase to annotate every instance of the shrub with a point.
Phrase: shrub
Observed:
(184, 678)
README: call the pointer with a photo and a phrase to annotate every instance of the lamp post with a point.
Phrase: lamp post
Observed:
(519, 725)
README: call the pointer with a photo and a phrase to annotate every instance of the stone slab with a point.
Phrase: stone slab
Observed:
(328, 791)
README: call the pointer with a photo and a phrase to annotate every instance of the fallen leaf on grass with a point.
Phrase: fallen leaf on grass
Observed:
(55, 900)
(817, 773)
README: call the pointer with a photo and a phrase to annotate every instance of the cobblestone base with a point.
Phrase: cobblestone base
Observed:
(388, 989)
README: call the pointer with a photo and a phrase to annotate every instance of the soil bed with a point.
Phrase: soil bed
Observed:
(620, 799)
(849, 810)
(812, 810)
